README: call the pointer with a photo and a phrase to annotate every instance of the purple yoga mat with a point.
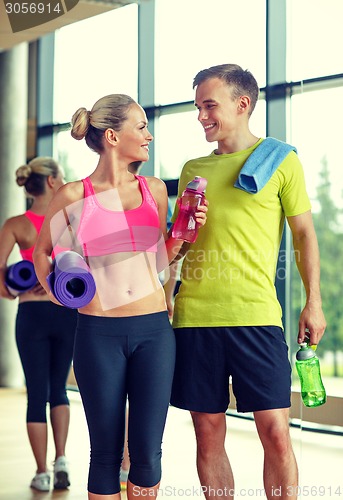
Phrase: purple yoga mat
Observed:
(20, 277)
(71, 280)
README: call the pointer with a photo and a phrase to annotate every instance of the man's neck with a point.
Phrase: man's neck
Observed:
(237, 144)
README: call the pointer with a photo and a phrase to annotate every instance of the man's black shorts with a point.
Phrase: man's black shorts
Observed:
(256, 357)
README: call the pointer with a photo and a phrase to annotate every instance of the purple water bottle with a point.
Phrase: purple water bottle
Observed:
(185, 227)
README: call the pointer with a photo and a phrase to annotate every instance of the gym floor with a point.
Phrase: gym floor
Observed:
(320, 456)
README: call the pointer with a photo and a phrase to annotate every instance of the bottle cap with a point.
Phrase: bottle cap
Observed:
(198, 184)
(305, 352)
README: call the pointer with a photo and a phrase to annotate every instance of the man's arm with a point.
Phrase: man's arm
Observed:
(306, 253)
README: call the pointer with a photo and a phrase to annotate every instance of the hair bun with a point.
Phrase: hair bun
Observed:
(22, 174)
(80, 123)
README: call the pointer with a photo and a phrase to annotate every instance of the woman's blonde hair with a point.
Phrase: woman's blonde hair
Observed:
(108, 112)
(33, 175)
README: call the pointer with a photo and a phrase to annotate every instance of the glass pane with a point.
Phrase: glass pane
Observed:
(193, 35)
(319, 148)
(74, 156)
(316, 128)
(181, 137)
(176, 148)
(315, 38)
(90, 60)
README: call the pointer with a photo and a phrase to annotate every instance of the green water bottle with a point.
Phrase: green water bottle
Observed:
(312, 389)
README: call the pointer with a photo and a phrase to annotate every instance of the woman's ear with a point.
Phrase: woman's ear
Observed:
(50, 181)
(111, 136)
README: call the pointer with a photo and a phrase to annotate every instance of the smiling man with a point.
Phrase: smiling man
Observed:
(227, 317)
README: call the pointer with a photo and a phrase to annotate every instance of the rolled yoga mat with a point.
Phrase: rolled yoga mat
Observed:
(20, 277)
(71, 280)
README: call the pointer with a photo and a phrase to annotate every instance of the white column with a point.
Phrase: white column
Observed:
(13, 134)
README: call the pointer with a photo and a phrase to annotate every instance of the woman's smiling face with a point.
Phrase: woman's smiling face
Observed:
(134, 136)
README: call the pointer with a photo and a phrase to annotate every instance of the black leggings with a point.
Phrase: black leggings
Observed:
(116, 358)
(45, 335)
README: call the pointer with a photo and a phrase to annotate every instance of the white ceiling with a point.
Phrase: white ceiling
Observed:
(83, 10)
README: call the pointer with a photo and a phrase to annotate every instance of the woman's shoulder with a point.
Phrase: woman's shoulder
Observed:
(155, 183)
(158, 190)
(16, 221)
(69, 197)
(71, 191)
(72, 188)
(16, 227)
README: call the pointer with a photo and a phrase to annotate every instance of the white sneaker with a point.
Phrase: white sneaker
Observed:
(61, 474)
(41, 482)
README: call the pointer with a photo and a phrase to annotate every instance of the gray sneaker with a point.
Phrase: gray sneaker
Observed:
(61, 474)
(41, 482)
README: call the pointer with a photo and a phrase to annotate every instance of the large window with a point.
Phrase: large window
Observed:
(315, 38)
(316, 130)
(94, 58)
(192, 35)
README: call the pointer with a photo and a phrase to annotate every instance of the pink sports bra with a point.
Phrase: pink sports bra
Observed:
(37, 221)
(103, 231)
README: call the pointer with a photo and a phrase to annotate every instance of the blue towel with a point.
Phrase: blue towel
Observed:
(261, 164)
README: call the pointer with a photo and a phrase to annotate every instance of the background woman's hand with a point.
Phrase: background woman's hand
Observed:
(5, 293)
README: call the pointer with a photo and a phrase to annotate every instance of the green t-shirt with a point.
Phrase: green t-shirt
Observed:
(228, 274)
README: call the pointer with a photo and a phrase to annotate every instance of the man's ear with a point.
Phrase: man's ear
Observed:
(111, 136)
(244, 103)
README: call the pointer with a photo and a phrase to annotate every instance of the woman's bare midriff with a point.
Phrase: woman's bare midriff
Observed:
(152, 304)
(127, 284)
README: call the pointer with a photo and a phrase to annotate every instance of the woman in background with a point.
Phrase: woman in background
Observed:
(44, 331)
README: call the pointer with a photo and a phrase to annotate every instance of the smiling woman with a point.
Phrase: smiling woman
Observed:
(118, 220)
